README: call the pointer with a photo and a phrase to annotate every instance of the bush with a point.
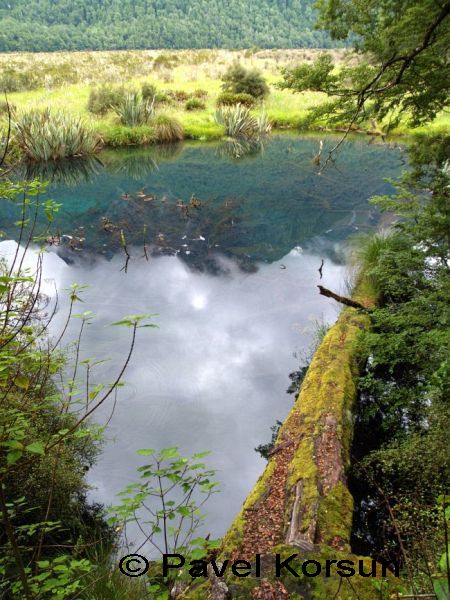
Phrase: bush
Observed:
(167, 61)
(149, 91)
(135, 110)
(119, 135)
(105, 98)
(195, 104)
(43, 135)
(202, 94)
(163, 98)
(239, 80)
(231, 99)
(167, 129)
(179, 95)
(18, 81)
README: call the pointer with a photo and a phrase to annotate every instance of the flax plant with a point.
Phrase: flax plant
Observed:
(44, 135)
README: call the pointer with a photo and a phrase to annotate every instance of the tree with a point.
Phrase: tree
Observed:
(403, 67)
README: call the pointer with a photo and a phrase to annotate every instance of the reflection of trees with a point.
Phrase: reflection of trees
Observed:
(136, 164)
(69, 172)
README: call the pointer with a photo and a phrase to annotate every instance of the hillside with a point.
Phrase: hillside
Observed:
(49, 25)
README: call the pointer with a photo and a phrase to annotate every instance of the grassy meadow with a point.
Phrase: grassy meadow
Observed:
(64, 81)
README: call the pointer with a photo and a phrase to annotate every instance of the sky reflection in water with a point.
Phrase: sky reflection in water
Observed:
(213, 376)
(236, 299)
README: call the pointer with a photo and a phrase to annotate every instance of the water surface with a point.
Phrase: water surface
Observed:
(227, 252)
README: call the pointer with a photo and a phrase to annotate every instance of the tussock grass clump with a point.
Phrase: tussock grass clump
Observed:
(231, 99)
(17, 80)
(240, 123)
(195, 104)
(105, 98)
(199, 93)
(166, 61)
(119, 135)
(178, 95)
(135, 110)
(167, 129)
(46, 135)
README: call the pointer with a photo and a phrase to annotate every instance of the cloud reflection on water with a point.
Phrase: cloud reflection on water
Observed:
(213, 376)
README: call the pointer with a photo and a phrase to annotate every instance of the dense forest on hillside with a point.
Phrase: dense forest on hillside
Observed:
(48, 25)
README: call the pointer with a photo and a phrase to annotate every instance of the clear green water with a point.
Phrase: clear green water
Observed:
(253, 209)
(233, 280)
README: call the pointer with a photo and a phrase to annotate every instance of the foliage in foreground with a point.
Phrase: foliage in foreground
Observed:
(47, 527)
(49, 135)
(403, 71)
(402, 476)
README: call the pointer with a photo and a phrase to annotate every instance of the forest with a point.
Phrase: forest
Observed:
(113, 25)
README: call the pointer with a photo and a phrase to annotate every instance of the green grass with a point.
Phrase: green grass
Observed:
(194, 70)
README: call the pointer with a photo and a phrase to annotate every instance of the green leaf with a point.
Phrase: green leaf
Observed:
(169, 453)
(13, 456)
(35, 448)
(440, 587)
(200, 455)
(22, 382)
(197, 554)
(146, 452)
(443, 560)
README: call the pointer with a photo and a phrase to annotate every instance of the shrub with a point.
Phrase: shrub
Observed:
(163, 98)
(230, 99)
(134, 110)
(240, 123)
(195, 104)
(46, 135)
(167, 129)
(149, 91)
(202, 94)
(119, 135)
(239, 80)
(167, 61)
(179, 95)
(17, 81)
(105, 98)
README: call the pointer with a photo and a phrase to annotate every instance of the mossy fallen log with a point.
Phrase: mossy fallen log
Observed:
(301, 503)
(303, 490)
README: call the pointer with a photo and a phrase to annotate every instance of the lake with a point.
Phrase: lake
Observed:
(225, 247)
